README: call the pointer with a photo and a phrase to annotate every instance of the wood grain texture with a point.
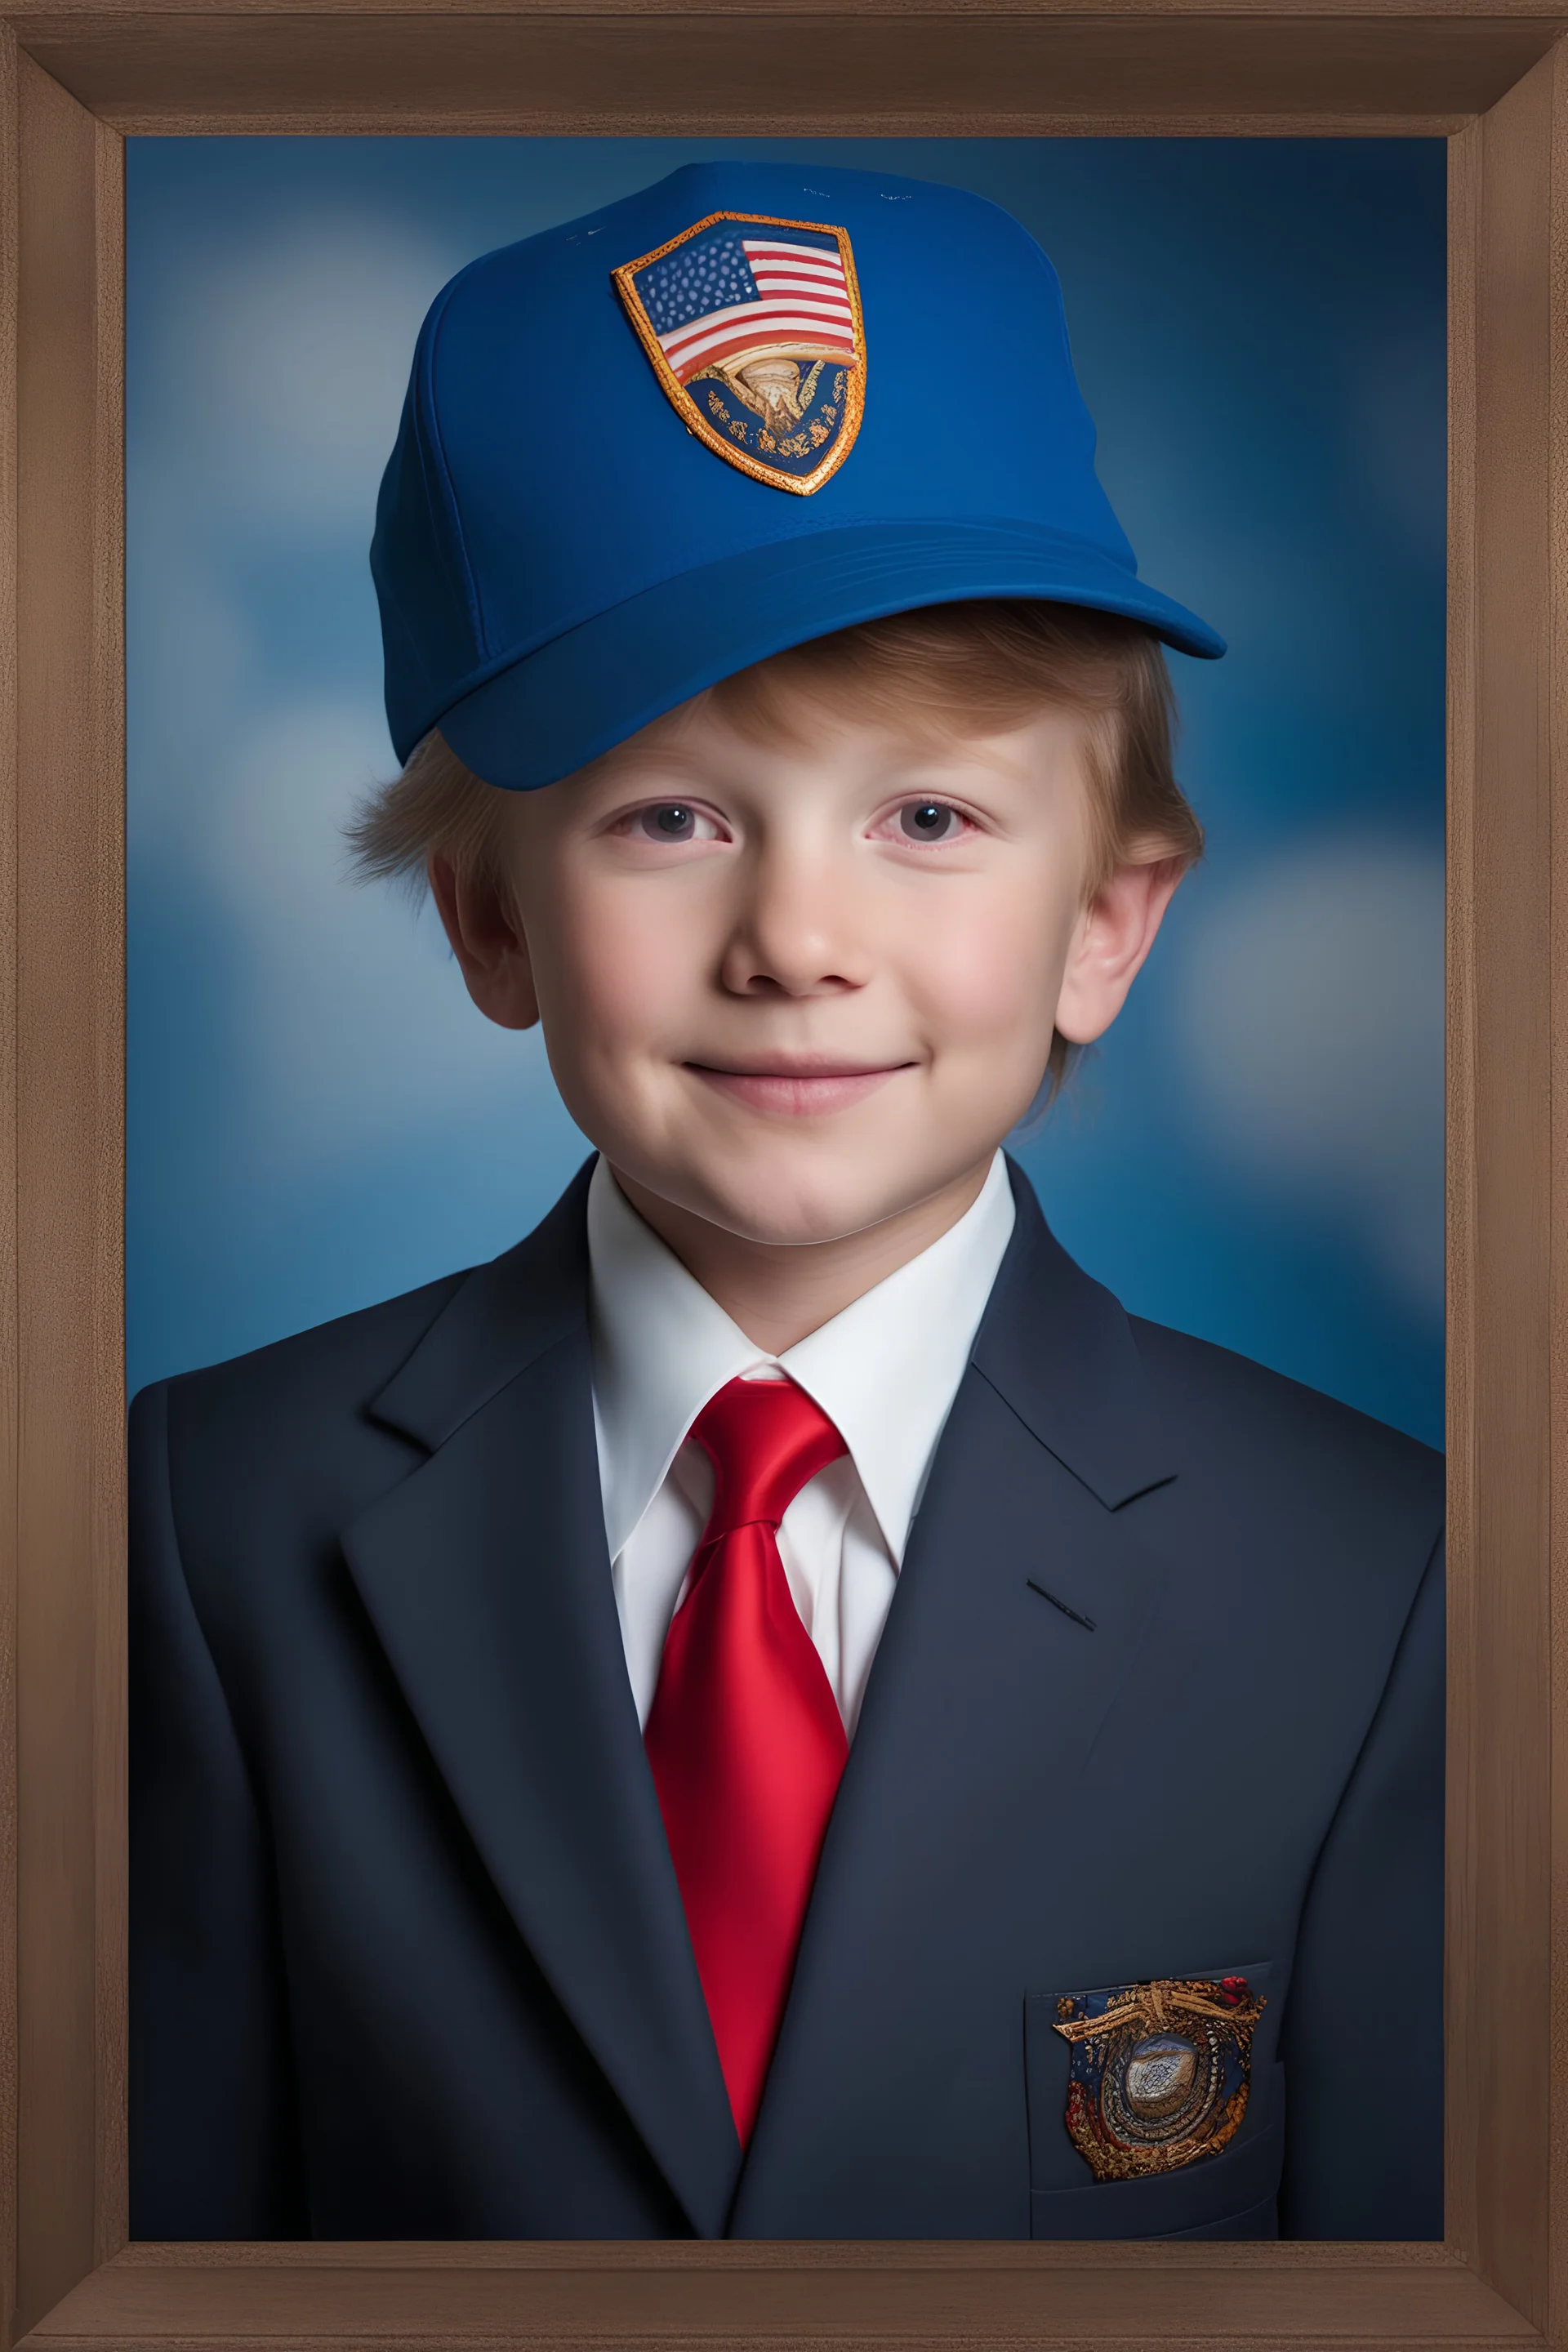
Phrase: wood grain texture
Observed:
(512, 122)
(67, 1062)
(911, 2254)
(106, 1346)
(10, 1382)
(1556, 469)
(1557, 2188)
(845, 70)
(28, 14)
(1463, 2072)
(1019, 65)
(1092, 2297)
(1505, 1335)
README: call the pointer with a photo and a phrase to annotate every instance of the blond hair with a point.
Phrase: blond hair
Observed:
(946, 670)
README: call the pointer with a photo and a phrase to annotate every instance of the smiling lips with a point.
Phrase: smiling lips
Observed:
(800, 1088)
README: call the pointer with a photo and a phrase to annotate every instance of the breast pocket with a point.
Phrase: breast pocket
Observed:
(1232, 2195)
(1174, 2078)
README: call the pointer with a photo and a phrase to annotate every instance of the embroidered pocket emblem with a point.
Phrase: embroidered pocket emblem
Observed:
(1160, 2071)
(753, 329)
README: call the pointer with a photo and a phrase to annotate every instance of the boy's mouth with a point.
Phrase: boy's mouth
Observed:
(802, 1085)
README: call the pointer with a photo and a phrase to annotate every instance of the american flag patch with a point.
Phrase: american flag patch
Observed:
(713, 301)
(753, 329)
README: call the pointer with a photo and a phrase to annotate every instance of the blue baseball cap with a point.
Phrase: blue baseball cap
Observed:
(749, 406)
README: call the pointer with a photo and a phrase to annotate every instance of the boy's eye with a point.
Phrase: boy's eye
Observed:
(928, 820)
(674, 820)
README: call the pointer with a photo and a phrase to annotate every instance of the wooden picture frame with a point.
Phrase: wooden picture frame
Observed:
(76, 76)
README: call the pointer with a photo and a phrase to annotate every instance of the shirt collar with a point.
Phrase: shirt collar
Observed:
(885, 1370)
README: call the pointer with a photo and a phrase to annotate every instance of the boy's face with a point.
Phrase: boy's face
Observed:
(797, 988)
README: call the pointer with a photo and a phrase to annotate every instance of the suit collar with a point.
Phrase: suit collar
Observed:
(1053, 1342)
(1058, 1349)
(504, 1316)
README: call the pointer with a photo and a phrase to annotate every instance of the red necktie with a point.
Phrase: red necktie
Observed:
(744, 1736)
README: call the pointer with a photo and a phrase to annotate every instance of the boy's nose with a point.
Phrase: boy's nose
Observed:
(793, 935)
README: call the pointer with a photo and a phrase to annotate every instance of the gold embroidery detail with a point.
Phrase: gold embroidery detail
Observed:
(1154, 2007)
(1192, 2023)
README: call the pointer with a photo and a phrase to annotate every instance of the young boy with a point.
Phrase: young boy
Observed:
(775, 1708)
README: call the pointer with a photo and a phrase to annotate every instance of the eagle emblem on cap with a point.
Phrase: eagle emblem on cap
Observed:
(753, 329)
(1160, 2071)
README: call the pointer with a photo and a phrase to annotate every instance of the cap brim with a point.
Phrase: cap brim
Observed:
(552, 710)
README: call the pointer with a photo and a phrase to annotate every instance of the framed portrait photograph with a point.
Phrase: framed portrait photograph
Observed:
(372, 1761)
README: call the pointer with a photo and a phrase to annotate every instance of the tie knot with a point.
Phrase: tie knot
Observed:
(764, 1439)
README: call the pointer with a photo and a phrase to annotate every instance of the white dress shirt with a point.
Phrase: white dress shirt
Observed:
(885, 1372)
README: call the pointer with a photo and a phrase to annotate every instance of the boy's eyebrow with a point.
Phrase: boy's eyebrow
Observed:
(616, 768)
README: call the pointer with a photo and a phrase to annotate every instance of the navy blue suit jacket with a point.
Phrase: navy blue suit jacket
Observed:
(1160, 1694)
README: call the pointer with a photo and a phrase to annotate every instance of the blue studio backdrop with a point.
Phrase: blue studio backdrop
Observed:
(317, 1116)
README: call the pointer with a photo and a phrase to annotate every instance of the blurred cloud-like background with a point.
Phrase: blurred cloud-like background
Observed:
(317, 1118)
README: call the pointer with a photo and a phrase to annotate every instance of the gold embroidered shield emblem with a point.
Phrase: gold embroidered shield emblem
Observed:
(1160, 2071)
(752, 327)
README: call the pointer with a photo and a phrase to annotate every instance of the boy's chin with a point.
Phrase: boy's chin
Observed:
(780, 1208)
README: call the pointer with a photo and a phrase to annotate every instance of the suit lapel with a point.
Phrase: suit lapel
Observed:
(1023, 1531)
(1020, 1605)
(486, 1577)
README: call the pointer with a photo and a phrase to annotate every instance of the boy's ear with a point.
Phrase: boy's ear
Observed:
(1114, 934)
(488, 939)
